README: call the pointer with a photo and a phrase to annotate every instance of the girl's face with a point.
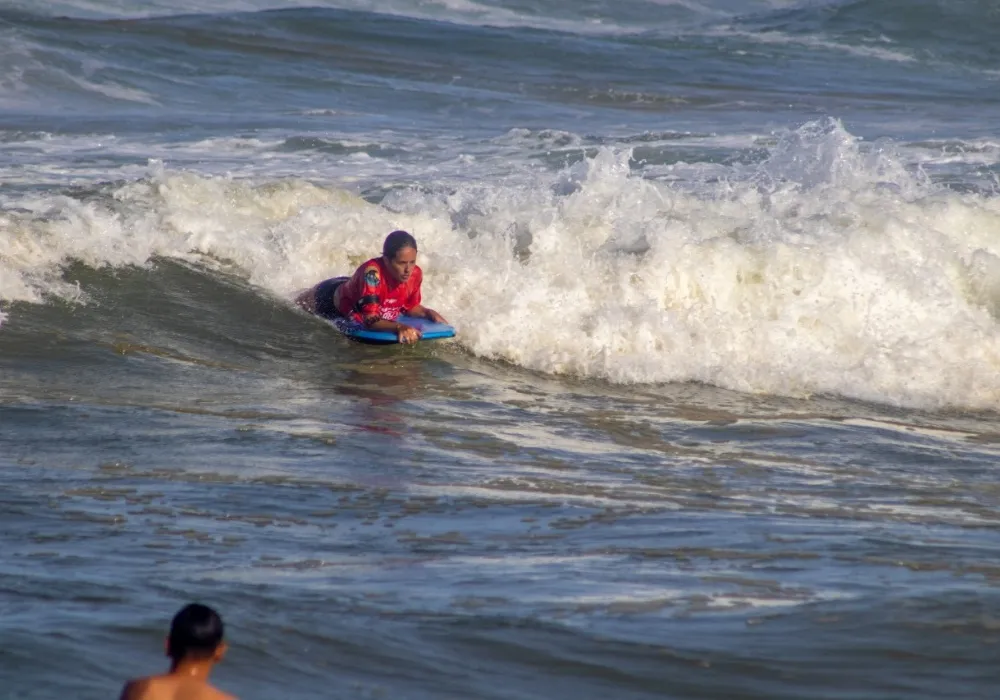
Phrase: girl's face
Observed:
(401, 266)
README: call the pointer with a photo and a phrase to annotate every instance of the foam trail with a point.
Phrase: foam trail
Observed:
(827, 269)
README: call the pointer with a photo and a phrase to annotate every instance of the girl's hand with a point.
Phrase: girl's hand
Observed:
(435, 316)
(407, 335)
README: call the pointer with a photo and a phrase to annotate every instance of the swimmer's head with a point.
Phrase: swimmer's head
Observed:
(400, 254)
(196, 634)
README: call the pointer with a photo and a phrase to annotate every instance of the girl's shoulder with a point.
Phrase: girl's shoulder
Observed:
(371, 272)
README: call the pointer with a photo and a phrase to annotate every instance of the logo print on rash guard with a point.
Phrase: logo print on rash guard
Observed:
(371, 277)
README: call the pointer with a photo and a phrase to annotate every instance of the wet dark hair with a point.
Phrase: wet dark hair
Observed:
(195, 632)
(395, 242)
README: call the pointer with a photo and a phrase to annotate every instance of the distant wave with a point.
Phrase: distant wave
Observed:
(549, 15)
(961, 33)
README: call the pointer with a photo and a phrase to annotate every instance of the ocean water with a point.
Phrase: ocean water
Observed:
(721, 420)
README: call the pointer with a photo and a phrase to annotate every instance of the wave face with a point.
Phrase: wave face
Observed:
(823, 268)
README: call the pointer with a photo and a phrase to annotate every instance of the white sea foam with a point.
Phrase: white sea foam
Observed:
(965, 152)
(41, 158)
(813, 42)
(109, 89)
(828, 269)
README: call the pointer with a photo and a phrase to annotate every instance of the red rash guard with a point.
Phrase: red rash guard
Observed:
(373, 293)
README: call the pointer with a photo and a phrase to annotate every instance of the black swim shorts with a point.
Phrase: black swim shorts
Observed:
(324, 297)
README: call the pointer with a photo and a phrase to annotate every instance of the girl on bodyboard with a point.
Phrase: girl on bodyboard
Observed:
(380, 302)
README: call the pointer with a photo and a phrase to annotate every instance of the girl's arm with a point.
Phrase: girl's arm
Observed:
(404, 333)
(421, 311)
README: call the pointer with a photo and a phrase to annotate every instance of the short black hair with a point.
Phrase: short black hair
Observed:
(196, 631)
(396, 241)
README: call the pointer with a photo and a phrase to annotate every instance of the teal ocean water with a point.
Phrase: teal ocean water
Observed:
(722, 418)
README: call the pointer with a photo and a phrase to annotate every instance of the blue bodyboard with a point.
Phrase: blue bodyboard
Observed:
(356, 331)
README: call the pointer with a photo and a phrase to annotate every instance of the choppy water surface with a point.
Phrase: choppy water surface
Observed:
(720, 421)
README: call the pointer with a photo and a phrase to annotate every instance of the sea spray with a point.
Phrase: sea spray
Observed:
(826, 269)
